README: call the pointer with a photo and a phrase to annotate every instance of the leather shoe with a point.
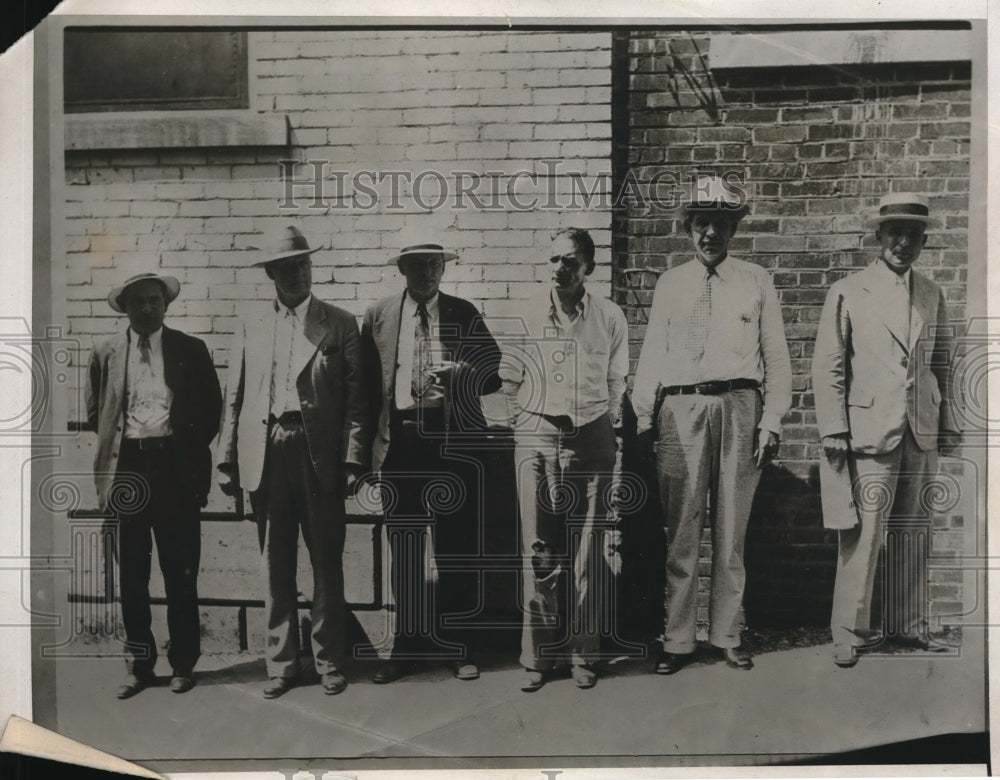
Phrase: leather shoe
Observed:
(388, 672)
(671, 663)
(532, 680)
(737, 658)
(845, 656)
(181, 683)
(333, 683)
(920, 643)
(466, 670)
(133, 684)
(583, 676)
(278, 686)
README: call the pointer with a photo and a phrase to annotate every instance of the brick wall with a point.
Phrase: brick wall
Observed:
(816, 148)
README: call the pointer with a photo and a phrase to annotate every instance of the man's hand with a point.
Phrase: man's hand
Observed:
(645, 441)
(229, 479)
(949, 442)
(836, 445)
(764, 451)
(352, 478)
(445, 372)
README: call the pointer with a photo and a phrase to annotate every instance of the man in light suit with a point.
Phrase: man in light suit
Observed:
(431, 357)
(153, 397)
(293, 435)
(881, 378)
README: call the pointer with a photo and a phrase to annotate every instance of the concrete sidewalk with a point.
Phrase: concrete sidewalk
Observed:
(794, 704)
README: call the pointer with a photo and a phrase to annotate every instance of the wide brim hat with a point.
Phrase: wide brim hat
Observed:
(171, 287)
(422, 246)
(714, 194)
(284, 242)
(905, 206)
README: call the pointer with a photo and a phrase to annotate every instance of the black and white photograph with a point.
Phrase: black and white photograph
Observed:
(531, 394)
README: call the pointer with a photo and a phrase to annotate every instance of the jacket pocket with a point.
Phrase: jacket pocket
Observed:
(862, 397)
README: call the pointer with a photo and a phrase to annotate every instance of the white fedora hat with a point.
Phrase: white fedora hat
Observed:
(171, 289)
(907, 206)
(284, 242)
(713, 193)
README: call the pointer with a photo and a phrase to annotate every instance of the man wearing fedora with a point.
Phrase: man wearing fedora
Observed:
(881, 378)
(564, 381)
(711, 387)
(293, 435)
(432, 358)
(153, 397)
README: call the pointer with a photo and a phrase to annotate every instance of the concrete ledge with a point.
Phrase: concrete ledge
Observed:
(837, 47)
(162, 130)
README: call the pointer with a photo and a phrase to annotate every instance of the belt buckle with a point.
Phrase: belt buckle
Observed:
(703, 388)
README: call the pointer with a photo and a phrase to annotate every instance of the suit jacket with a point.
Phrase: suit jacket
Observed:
(871, 380)
(331, 391)
(194, 411)
(463, 334)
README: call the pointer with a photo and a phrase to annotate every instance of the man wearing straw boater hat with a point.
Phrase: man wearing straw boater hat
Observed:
(293, 435)
(153, 397)
(431, 358)
(881, 378)
(711, 387)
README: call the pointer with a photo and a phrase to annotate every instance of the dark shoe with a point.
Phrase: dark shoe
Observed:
(181, 683)
(333, 683)
(133, 684)
(583, 676)
(278, 686)
(923, 643)
(671, 663)
(466, 670)
(737, 658)
(390, 671)
(845, 656)
(532, 680)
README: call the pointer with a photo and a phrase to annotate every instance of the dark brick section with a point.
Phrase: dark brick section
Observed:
(816, 147)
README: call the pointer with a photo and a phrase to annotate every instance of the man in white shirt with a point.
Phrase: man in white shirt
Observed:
(711, 387)
(294, 435)
(430, 358)
(153, 398)
(882, 382)
(564, 378)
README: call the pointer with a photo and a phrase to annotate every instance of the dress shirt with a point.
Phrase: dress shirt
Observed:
(148, 408)
(292, 351)
(568, 365)
(896, 289)
(745, 339)
(434, 396)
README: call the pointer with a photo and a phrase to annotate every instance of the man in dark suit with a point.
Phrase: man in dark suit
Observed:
(882, 379)
(432, 358)
(293, 434)
(153, 397)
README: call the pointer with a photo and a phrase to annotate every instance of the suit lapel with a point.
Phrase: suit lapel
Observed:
(877, 283)
(387, 335)
(170, 359)
(117, 362)
(921, 305)
(315, 331)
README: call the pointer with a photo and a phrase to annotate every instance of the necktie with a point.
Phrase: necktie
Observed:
(697, 332)
(421, 380)
(144, 349)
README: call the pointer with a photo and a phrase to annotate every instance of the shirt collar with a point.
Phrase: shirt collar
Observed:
(722, 269)
(155, 338)
(893, 277)
(582, 305)
(432, 305)
(281, 310)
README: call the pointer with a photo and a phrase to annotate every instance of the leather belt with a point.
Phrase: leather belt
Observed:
(417, 413)
(149, 443)
(285, 419)
(712, 388)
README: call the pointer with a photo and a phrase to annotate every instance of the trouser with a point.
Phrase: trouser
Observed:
(164, 508)
(289, 498)
(434, 510)
(564, 476)
(705, 450)
(887, 494)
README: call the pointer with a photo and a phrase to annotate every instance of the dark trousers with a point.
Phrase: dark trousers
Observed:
(427, 491)
(289, 498)
(163, 508)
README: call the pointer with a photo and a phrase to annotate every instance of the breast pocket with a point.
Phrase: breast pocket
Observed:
(742, 331)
